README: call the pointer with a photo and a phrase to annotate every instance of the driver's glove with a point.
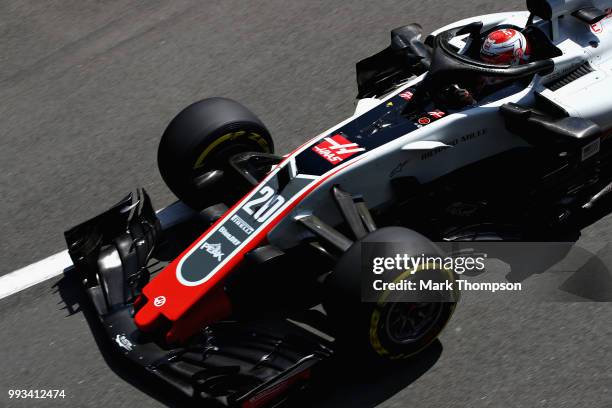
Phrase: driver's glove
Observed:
(458, 97)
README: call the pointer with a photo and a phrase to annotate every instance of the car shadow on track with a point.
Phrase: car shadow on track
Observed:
(350, 383)
(346, 381)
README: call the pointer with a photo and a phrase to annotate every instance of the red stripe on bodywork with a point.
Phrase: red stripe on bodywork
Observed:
(179, 299)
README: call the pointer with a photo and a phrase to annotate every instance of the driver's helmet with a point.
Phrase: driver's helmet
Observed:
(505, 47)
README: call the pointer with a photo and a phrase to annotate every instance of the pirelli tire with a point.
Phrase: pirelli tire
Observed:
(369, 328)
(200, 140)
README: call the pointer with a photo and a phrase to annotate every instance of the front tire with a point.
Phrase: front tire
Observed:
(196, 147)
(390, 327)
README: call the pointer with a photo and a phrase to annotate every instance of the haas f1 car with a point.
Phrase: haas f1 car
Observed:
(242, 302)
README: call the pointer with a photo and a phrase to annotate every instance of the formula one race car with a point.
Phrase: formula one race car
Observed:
(242, 302)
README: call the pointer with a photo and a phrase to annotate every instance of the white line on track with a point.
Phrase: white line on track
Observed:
(55, 265)
(35, 273)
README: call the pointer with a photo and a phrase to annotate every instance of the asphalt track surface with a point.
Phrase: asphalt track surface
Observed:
(87, 87)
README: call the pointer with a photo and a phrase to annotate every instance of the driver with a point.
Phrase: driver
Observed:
(505, 46)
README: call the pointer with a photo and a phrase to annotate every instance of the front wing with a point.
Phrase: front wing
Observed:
(246, 364)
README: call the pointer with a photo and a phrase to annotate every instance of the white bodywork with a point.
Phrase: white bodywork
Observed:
(472, 135)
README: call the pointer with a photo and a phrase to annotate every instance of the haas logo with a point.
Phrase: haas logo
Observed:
(598, 27)
(336, 148)
(406, 95)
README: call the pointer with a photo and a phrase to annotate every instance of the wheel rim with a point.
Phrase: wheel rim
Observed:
(220, 160)
(409, 322)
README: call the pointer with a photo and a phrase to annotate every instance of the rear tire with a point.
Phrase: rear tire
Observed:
(201, 139)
